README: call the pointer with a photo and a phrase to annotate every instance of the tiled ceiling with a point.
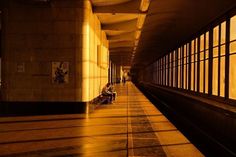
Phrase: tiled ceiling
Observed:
(140, 31)
(122, 20)
(168, 23)
(107, 2)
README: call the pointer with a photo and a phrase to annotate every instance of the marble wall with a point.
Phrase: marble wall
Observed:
(38, 35)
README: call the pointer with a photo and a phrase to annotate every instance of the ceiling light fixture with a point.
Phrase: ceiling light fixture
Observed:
(141, 20)
(144, 5)
(137, 34)
(136, 42)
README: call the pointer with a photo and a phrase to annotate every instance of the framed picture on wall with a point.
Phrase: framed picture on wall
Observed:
(60, 72)
(20, 67)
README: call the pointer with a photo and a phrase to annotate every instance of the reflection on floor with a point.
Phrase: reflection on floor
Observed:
(131, 126)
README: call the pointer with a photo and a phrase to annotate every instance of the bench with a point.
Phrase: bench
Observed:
(101, 99)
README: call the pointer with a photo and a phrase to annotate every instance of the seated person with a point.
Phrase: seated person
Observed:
(111, 89)
(106, 92)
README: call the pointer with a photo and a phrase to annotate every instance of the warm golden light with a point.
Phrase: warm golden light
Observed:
(95, 57)
(215, 61)
(136, 42)
(179, 69)
(206, 61)
(192, 65)
(232, 35)
(195, 65)
(144, 5)
(232, 71)
(85, 63)
(141, 20)
(137, 35)
(201, 81)
(174, 68)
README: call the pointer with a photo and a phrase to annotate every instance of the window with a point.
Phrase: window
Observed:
(215, 61)
(201, 62)
(162, 71)
(154, 68)
(222, 59)
(195, 65)
(218, 73)
(167, 64)
(206, 62)
(174, 69)
(170, 68)
(179, 68)
(157, 71)
(192, 64)
(232, 59)
(185, 67)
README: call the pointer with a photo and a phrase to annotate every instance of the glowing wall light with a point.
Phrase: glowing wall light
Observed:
(136, 42)
(141, 20)
(137, 35)
(144, 5)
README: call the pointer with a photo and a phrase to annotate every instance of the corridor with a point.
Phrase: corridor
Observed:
(131, 126)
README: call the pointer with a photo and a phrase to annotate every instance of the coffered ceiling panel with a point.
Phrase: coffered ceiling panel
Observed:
(109, 18)
(122, 20)
(108, 2)
(147, 29)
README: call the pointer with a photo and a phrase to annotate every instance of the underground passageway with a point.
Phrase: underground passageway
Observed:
(131, 126)
(177, 57)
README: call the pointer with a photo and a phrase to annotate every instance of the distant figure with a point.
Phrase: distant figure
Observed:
(124, 79)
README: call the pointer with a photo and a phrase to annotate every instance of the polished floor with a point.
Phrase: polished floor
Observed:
(131, 126)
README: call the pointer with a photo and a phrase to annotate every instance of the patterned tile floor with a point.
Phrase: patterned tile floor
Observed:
(131, 126)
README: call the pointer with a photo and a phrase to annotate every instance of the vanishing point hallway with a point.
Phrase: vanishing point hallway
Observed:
(131, 126)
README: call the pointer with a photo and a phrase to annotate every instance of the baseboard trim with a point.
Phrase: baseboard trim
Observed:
(44, 108)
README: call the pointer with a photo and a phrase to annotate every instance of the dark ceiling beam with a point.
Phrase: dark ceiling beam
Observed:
(128, 7)
(126, 25)
(121, 53)
(123, 57)
(121, 63)
(35, 2)
(121, 44)
(120, 40)
(120, 59)
(126, 49)
(112, 42)
(126, 36)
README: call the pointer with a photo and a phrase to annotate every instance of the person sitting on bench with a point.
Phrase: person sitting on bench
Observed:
(106, 92)
(111, 89)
